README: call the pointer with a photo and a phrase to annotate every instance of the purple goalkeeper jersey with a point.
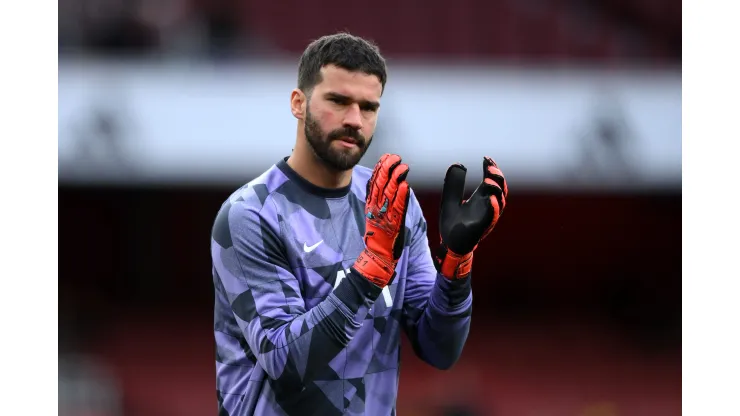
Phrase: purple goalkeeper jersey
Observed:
(297, 330)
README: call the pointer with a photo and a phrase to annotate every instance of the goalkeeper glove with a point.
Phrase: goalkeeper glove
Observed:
(385, 220)
(465, 223)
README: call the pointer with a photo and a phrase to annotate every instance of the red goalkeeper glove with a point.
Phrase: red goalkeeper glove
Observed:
(465, 223)
(385, 217)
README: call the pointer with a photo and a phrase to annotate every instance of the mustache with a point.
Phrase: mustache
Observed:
(347, 132)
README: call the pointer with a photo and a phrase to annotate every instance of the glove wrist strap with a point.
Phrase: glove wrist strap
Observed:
(374, 268)
(452, 265)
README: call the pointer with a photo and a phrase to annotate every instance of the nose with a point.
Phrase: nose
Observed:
(353, 117)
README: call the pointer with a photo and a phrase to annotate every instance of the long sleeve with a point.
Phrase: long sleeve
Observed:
(291, 344)
(436, 311)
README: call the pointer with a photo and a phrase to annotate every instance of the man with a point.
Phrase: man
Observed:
(318, 263)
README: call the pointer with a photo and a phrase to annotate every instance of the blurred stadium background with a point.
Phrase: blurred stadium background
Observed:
(166, 106)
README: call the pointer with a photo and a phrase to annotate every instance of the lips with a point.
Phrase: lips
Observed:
(348, 140)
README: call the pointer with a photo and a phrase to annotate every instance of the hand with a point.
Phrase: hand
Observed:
(465, 223)
(385, 220)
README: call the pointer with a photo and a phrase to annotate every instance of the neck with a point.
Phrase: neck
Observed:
(305, 163)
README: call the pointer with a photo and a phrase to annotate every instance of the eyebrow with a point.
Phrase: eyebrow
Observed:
(363, 103)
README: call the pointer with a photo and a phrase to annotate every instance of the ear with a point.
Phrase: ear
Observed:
(298, 103)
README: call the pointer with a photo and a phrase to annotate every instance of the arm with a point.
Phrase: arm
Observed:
(438, 293)
(438, 305)
(436, 310)
(289, 343)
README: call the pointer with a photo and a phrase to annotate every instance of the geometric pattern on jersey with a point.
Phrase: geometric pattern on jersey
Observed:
(298, 333)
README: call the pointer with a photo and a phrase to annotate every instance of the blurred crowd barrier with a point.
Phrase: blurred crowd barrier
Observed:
(202, 124)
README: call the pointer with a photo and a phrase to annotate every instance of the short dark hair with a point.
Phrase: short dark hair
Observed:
(344, 50)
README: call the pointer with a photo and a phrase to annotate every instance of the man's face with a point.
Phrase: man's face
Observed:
(341, 115)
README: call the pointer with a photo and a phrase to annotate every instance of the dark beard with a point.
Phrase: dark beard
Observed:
(336, 159)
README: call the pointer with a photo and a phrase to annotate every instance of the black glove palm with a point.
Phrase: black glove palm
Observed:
(464, 223)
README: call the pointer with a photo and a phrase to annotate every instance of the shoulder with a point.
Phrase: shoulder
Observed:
(249, 205)
(361, 174)
(255, 194)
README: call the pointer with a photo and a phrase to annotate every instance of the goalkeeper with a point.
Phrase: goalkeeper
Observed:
(319, 263)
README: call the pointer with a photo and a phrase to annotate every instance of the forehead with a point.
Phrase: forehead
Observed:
(355, 84)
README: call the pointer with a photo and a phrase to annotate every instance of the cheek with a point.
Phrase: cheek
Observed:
(370, 124)
(328, 118)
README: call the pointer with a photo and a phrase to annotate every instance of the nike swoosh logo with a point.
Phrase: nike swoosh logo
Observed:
(309, 249)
